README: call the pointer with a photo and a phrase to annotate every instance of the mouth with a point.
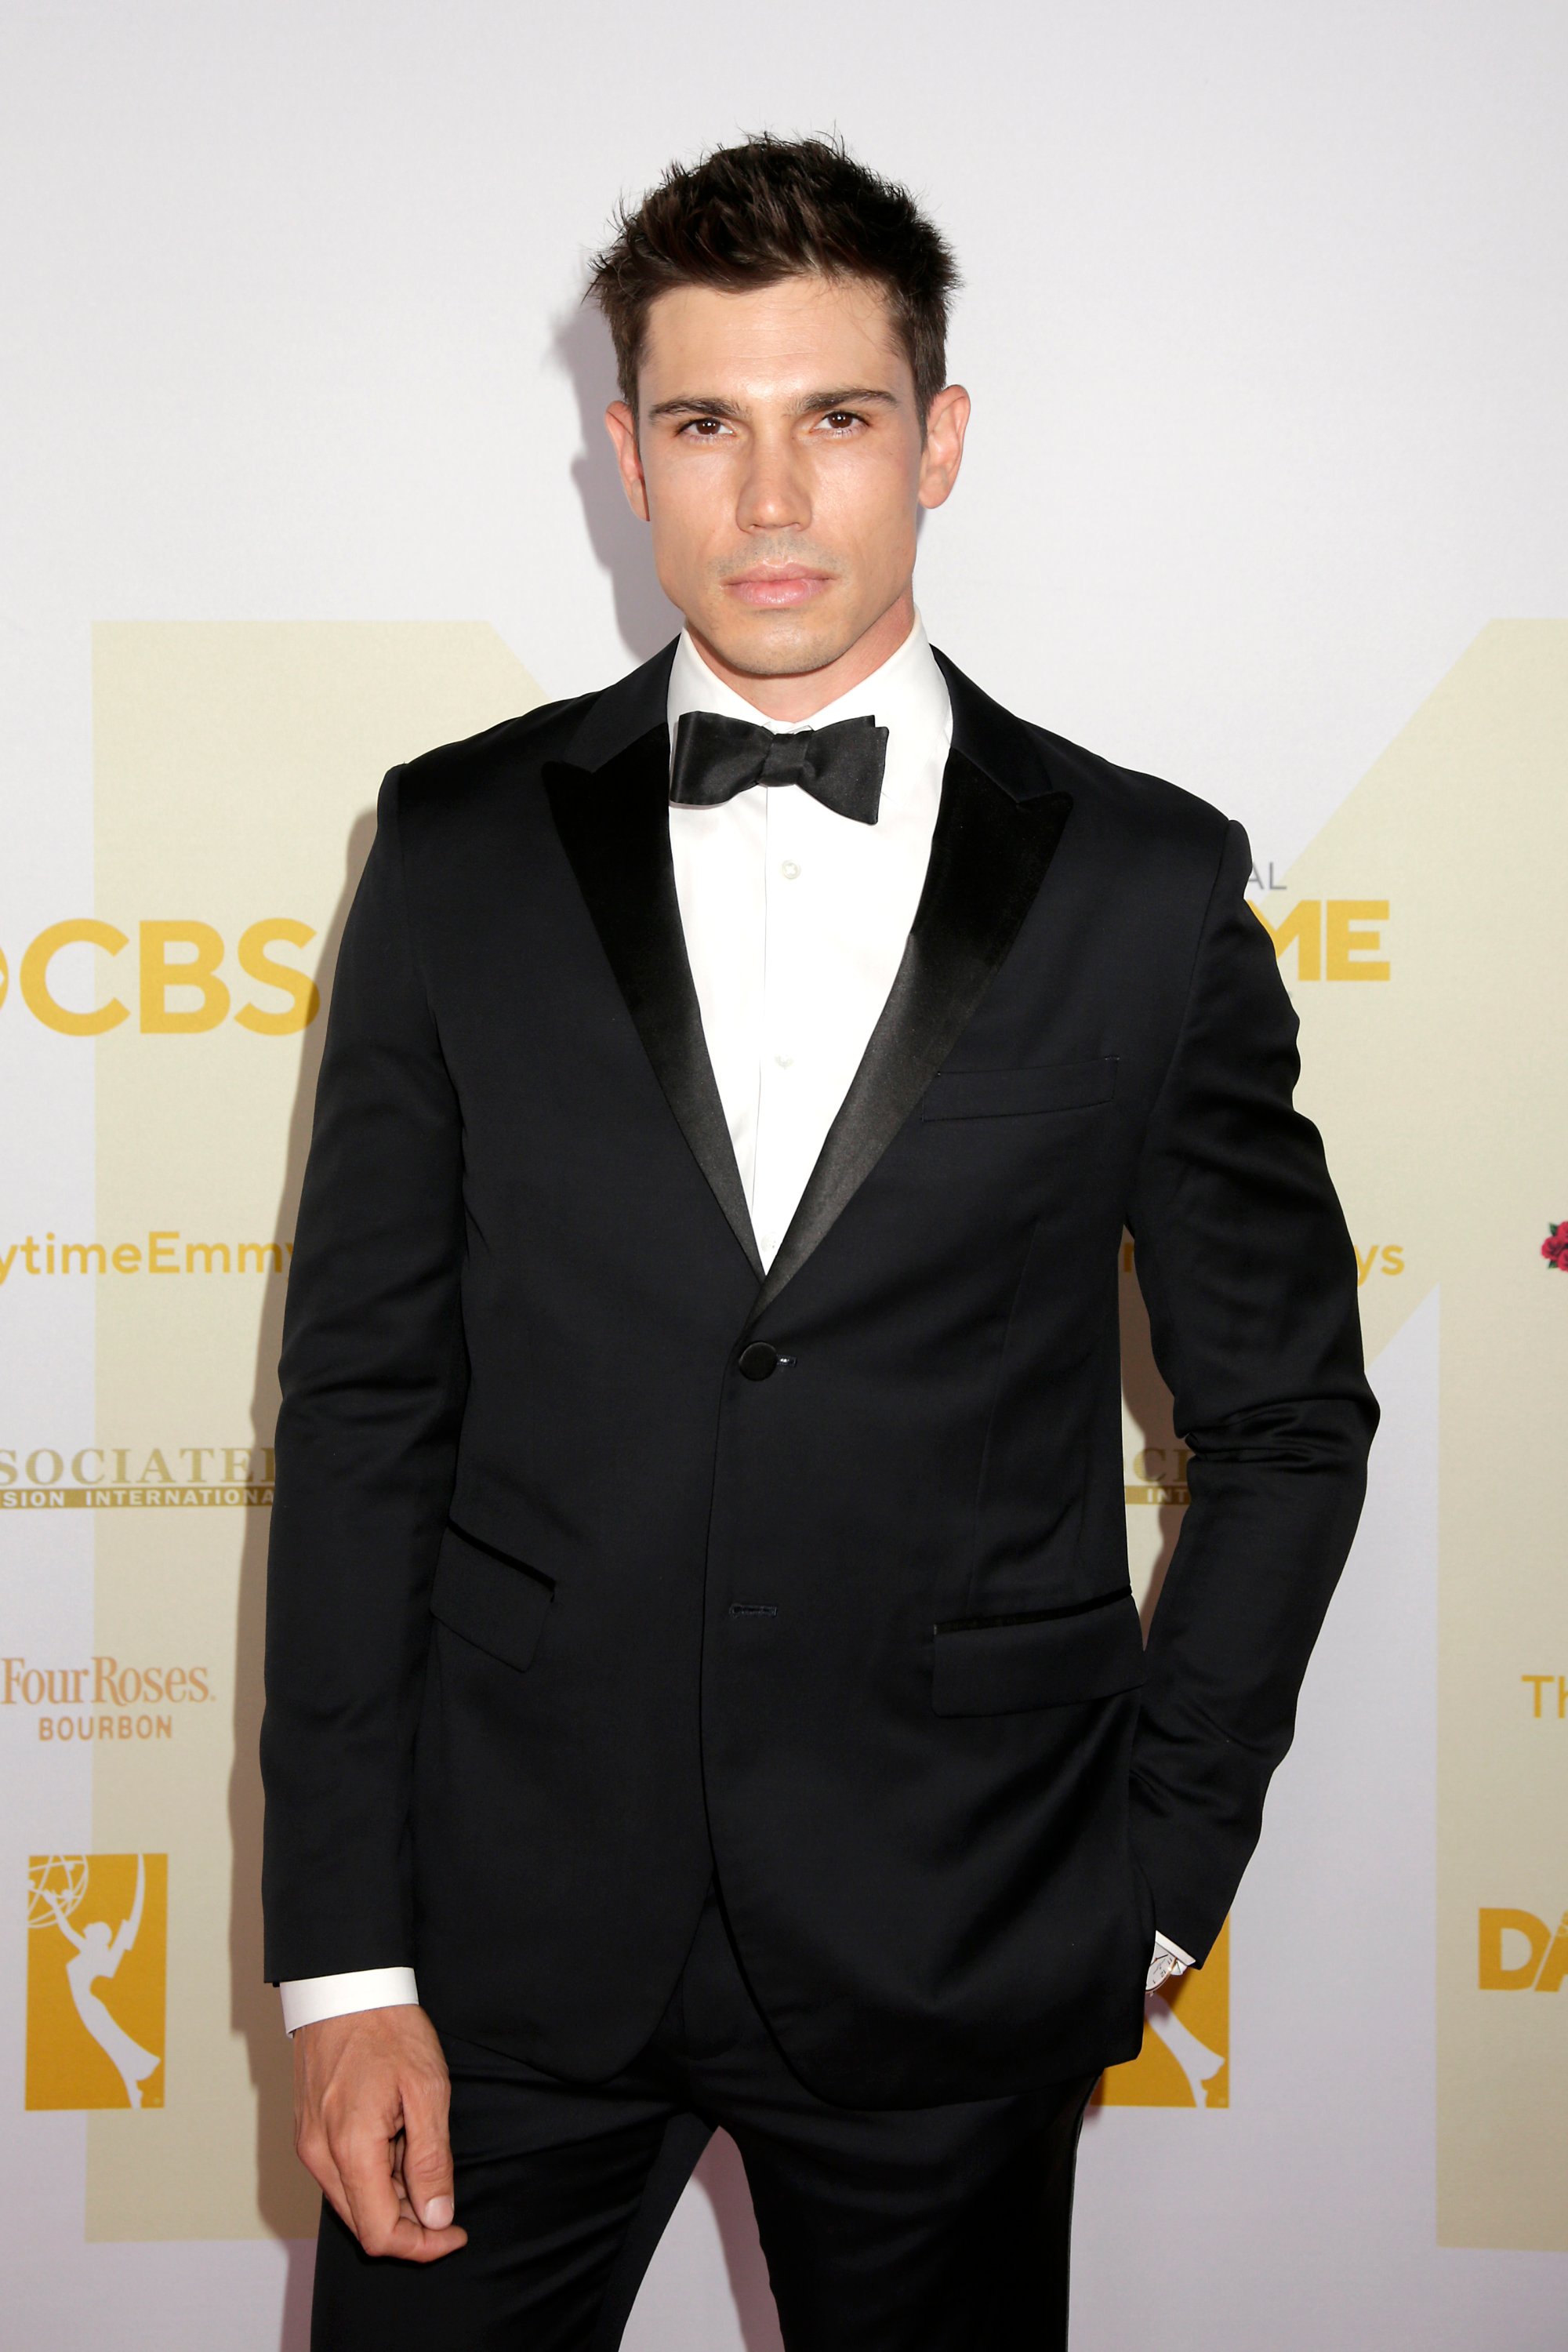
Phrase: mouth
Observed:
(774, 587)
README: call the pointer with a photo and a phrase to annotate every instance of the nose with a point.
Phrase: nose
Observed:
(772, 493)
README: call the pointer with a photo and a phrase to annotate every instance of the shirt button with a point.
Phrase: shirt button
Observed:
(790, 870)
(784, 1061)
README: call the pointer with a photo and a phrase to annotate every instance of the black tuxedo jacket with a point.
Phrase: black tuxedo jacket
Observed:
(601, 1562)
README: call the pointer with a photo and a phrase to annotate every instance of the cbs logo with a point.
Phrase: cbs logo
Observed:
(179, 987)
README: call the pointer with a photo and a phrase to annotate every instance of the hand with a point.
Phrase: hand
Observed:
(371, 2094)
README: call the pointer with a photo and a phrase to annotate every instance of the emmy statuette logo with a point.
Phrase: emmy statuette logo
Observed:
(97, 1961)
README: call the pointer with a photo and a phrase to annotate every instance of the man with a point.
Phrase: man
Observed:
(701, 1666)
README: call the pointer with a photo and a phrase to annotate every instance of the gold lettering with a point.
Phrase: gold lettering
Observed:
(1493, 1974)
(1349, 940)
(35, 992)
(305, 997)
(1555, 1968)
(197, 971)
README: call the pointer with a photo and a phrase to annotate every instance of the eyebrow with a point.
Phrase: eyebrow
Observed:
(812, 403)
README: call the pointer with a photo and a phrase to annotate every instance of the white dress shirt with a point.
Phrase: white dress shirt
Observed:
(796, 921)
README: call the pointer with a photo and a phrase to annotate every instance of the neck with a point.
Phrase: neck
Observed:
(794, 699)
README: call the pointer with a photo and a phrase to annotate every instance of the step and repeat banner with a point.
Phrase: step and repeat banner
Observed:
(256, 509)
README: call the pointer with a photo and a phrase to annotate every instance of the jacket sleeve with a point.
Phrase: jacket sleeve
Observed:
(1251, 1283)
(373, 1378)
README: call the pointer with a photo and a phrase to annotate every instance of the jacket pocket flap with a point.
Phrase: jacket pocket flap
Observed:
(1002, 1665)
(497, 1603)
(1003, 1094)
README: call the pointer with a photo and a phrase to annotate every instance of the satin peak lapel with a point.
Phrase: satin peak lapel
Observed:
(614, 824)
(988, 857)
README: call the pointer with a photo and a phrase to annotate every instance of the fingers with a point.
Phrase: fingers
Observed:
(371, 2107)
(310, 2147)
(427, 2150)
(377, 2216)
(363, 2158)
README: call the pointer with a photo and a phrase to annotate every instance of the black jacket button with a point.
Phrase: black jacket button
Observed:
(759, 1361)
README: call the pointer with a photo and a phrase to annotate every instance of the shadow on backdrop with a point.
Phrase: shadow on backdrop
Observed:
(646, 618)
(286, 2199)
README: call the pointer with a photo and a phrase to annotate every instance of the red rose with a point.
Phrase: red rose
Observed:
(1554, 1248)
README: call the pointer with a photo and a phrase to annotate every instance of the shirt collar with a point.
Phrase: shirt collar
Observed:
(908, 694)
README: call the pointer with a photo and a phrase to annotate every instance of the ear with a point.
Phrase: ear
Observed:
(622, 428)
(947, 421)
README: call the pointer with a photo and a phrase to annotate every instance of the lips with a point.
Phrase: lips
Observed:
(774, 587)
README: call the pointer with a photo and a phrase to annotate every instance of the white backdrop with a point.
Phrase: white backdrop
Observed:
(1265, 332)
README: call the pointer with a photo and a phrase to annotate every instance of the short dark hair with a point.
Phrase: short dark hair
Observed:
(774, 208)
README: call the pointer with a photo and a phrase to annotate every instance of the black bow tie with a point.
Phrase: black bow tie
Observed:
(841, 765)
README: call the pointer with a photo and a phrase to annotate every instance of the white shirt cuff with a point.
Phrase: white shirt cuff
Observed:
(1168, 1960)
(307, 1999)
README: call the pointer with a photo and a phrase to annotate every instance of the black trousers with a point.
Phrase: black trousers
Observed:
(925, 2229)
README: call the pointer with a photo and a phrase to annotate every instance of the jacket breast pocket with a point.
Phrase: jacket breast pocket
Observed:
(1006, 1666)
(497, 1603)
(1018, 1094)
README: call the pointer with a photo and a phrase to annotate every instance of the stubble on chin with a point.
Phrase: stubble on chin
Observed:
(795, 655)
(775, 645)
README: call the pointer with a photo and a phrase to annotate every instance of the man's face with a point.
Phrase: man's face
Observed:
(777, 454)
